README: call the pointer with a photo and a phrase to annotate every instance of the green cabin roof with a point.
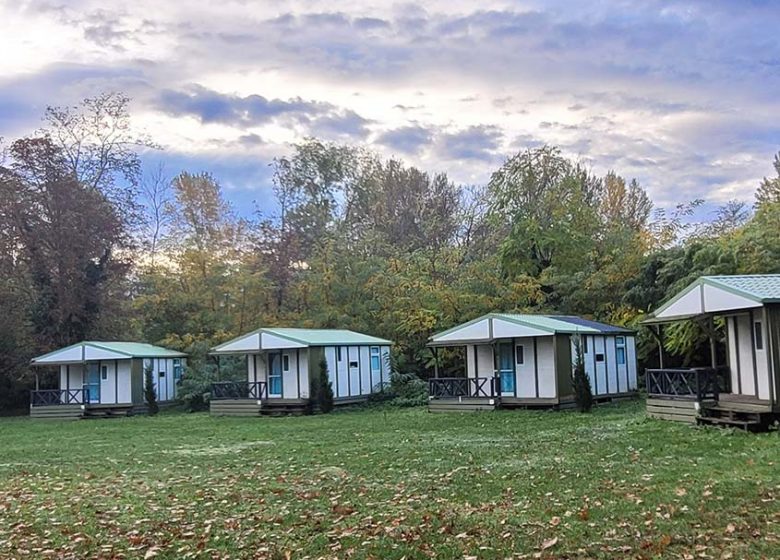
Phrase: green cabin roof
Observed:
(129, 349)
(326, 337)
(764, 288)
(308, 337)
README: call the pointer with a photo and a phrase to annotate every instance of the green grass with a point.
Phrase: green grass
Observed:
(388, 484)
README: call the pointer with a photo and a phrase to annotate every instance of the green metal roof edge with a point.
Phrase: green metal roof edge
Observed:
(715, 281)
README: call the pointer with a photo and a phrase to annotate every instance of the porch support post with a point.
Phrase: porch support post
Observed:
(37, 381)
(436, 361)
(660, 339)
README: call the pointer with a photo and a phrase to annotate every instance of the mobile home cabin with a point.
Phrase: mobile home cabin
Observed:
(526, 360)
(743, 390)
(282, 362)
(105, 379)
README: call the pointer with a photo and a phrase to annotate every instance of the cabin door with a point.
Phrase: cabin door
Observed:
(506, 368)
(275, 375)
(92, 384)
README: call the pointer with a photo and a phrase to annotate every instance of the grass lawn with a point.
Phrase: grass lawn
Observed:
(388, 484)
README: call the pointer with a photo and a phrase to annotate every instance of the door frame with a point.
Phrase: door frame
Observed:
(272, 357)
(510, 345)
(89, 382)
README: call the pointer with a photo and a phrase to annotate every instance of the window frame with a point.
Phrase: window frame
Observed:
(758, 335)
(520, 354)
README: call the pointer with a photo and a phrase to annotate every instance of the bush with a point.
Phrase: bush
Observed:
(195, 388)
(149, 392)
(322, 389)
(583, 395)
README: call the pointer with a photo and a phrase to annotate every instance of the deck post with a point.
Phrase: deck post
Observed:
(713, 353)
(660, 339)
(435, 361)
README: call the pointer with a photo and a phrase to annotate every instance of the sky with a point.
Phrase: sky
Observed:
(682, 96)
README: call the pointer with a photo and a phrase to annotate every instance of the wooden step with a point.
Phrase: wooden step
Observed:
(749, 425)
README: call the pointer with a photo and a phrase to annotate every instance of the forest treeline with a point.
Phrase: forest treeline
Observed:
(91, 247)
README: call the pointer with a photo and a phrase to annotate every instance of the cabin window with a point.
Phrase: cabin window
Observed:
(353, 364)
(177, 370)
(161, 374)
(286, 362)
(599, 357)
(620, 350)
(104, 372)
(759, 335)
(338, 353)
(375, 362)
(520, 354)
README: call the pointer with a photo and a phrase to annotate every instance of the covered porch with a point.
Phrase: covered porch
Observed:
(737, 387)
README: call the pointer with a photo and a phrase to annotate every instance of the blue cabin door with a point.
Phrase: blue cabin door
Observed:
(92, 384)
(274, 375)
(506, 368)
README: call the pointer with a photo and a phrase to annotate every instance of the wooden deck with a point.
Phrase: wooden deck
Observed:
(739, 411)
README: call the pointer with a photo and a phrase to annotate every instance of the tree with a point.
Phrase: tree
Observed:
(150, 395)
(156, 192)
(99, 147)
(68, 237)
(322, 389)
(580, 381)
(769, 190)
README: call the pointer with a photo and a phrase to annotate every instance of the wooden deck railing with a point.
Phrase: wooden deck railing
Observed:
(256, 390)
(686, 383)
(53, 397)
(451, 387)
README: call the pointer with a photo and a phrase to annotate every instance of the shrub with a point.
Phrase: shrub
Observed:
(322, 389)
(583, 395)
(195, 388)
(149, 392)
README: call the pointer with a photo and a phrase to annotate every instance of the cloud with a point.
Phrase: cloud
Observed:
(680, 94)
(406, 139)
(478, 142)
(210, 106)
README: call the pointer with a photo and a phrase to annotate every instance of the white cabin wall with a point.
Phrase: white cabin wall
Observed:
(107, 382)
(599, 348)
(485, 366)
(343, 372)
(745, 346)
(375, 375)
(632, 365)
(365, 370)
(525, 374)
(124, 388)
(289, 376)
(330, 358)
(353, 365)
(470, 371)
(611, 365)
(731, 339)
(545, 354)
(762, 364)
(385, 364)
(587, 356)
(303, 356)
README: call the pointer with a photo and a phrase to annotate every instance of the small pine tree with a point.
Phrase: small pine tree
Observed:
(149, 392)
(324, 389)
(583, 395)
